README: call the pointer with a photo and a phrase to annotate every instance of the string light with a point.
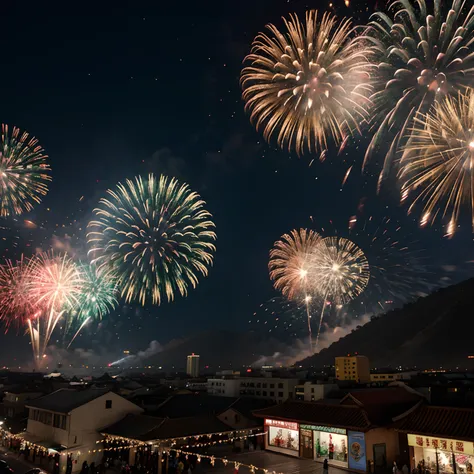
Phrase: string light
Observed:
(225, 461)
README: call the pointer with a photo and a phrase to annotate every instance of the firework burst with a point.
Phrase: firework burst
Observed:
(54, 287)
(307, 83)
(438, 161)
(290, 262)
(97, 298)
(23, 172)
(155, 235)
(340, 270)
(423, 54)
(16, 306)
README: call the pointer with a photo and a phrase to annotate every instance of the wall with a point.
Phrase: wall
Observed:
(383, 436)
(48, 432)
(224, 387)
(94, 416)
(313, 392)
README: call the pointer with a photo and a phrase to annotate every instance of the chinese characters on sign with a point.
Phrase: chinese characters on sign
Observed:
(282, 424)
(452, 445)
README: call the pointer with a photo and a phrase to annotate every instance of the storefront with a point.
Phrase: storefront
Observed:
(341, 447)
(439, 454)
(282, 437)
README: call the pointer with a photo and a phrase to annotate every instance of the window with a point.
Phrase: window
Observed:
(272, 394)
(280, 394)
(312, 390)
(108, 404)
(264, 393)
(257, 393)
(272, 385)
(280, 385)
(59, 421)
(264, 385)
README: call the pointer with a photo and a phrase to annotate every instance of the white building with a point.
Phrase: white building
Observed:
(310, 392)
(267, 388)
(192, 365)
(69, 422)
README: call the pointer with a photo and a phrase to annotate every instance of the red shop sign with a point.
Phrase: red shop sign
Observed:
(289, 425)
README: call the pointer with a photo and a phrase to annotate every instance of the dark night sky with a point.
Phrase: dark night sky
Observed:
(112, 93)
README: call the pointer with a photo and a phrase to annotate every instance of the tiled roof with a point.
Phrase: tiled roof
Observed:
(383, 396)
(147, 428)
(178, 406)
(316, 413)
(247, 406)
(134, 426)
(443, 422)
(64, 400)
(382, 405)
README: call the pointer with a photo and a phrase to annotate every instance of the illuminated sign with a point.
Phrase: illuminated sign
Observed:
(453, 445)
(326, 429)
(282, 424)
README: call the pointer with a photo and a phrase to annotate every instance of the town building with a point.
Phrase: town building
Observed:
(439, 439)
(277, 389)
(192, 365)
(69, 421)
(311, 392)
(353, 434)
(14, 401)
(353, 368)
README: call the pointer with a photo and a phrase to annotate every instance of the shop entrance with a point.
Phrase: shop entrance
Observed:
(306, 439)
(380, 457)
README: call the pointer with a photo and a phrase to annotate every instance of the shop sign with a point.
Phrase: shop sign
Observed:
(452, 445)
(357, 459)
(282, 424)
(326, 429)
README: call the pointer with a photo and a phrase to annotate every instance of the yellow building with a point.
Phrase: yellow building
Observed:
(354, 368)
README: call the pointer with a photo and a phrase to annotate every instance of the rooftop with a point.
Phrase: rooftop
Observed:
(443, 422)
(65, 400)
(147, 428)
(178, 406)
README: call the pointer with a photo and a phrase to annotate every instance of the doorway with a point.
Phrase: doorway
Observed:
(380, 457)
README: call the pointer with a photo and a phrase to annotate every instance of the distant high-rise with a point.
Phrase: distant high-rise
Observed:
(354, 368)
(192, 367)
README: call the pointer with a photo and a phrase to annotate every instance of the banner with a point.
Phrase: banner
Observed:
(357, 458)
(326, 429)
(452, 445)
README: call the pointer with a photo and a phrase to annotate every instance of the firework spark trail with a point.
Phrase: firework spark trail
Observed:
(23, 172)
(438, 161)
(422, 53)
(307, 82)
(83, 324)
(155, 236)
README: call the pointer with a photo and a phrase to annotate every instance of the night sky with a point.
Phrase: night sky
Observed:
(113, 93)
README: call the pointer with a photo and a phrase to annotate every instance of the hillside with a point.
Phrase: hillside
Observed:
(434, 331)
